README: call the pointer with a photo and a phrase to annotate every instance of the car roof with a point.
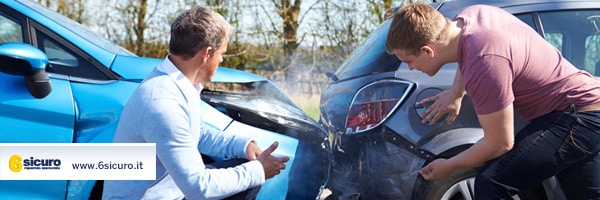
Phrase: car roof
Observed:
(451, 8)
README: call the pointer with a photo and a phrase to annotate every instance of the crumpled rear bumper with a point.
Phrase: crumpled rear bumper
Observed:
(370, 166)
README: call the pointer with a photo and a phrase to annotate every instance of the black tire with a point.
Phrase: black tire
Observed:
(459, 185)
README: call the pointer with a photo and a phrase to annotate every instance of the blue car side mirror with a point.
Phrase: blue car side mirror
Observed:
(22, 59)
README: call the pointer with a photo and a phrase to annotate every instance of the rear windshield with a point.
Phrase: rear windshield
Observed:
(370, 56)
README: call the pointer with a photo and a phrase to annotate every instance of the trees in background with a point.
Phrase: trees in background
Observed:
(294, 41)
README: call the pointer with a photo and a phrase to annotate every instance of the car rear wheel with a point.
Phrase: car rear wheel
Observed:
(461, 186)
(463, 189)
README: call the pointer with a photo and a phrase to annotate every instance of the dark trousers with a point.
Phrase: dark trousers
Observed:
(565, 144)
(244, 195)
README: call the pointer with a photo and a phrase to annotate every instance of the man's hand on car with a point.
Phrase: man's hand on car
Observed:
(252, 150)
(271, 164)
(437, 169)
(446, 102)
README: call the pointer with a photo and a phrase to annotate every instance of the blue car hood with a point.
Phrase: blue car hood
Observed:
(136, 68)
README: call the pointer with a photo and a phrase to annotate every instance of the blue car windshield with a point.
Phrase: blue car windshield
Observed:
(78, 29)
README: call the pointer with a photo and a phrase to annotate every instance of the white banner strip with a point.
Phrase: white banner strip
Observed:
(81, 161)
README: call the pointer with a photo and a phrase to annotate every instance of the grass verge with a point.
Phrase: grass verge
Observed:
(309, 104)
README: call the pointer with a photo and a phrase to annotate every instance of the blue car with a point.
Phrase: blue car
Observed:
(60, 83)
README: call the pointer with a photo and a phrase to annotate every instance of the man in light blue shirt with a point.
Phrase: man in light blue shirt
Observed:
(165, 110)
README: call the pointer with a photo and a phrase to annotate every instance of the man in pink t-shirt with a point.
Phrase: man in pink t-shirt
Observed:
(506, 73)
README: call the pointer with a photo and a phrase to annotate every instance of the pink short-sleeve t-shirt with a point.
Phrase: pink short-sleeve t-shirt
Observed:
(503, 61)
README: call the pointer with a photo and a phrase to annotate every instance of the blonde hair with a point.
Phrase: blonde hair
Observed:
(413, 26)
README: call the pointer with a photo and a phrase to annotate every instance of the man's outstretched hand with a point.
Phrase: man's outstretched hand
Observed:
(271, 164)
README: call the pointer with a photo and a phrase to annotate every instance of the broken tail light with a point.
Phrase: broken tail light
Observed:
(374, 103)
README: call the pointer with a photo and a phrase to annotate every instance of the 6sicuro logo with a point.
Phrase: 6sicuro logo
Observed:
(17, 163)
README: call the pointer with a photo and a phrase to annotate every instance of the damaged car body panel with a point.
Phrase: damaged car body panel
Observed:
(262, 105)
(371, 112)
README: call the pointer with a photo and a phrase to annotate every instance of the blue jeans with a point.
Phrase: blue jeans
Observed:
(561, 144)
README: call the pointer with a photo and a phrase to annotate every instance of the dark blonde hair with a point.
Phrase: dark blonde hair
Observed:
(413, 26)
(197, 28)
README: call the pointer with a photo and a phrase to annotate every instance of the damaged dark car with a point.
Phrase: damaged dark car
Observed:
(370, 109)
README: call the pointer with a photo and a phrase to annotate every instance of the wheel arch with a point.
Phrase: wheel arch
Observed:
(452, 139)
(452, 142)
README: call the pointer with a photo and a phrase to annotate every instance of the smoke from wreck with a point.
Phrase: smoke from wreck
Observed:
(305, 75)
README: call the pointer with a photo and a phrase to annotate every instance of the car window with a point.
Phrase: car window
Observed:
(556, 39)
(10, 30)
(576, 33)
(370, 56)
(58, 55)
(528, 19)
(64, 61)
(592, 54)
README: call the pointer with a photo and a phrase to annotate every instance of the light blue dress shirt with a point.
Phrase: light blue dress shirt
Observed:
(165, 110)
